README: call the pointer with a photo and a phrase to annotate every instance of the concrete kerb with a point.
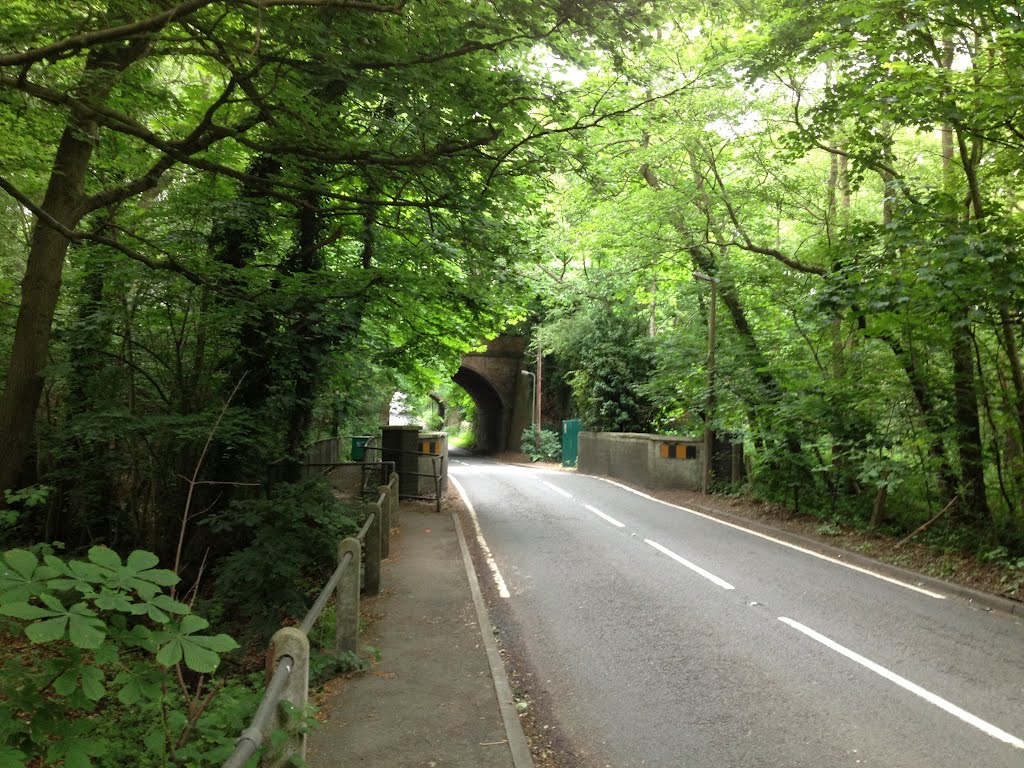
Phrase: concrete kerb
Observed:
(985, 600)
(517, 743)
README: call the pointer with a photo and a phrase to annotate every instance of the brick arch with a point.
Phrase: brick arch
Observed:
(494, 379)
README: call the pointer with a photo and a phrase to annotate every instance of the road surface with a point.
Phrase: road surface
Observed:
(660, 637)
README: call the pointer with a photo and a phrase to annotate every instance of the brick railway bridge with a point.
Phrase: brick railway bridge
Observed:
(494, 379)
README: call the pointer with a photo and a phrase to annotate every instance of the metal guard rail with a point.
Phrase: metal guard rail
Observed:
(252, 738)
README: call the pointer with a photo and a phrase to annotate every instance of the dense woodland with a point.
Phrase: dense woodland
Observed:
(847, 173)
(232, 227)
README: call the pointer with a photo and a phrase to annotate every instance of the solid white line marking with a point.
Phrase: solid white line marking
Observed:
(798, 548)
(915, 689)
(695, 568)
(609, 518)
(555, 488)
(488, 557)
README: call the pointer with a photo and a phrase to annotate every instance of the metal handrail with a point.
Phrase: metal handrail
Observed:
(325, 595)
(252, 737)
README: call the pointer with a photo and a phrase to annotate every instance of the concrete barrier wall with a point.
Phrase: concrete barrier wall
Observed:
(433, 448)
(653, 461)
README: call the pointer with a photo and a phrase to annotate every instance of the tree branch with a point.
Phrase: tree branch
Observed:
(97, 37)
(592, 119)
(76, 236)
(747, 244)
(182, 10)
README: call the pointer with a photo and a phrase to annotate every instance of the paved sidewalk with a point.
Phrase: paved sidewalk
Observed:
(439, 697)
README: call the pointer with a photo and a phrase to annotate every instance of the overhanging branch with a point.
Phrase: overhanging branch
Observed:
(75, 236)
(156, 22)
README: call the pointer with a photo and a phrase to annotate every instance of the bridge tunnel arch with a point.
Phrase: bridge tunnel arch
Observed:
(490, 427)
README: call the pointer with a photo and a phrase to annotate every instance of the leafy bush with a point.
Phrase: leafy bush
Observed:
(111, 680)
(292, 540)
(550, 445)
(465, 439)
(608, 359)
(24, 499)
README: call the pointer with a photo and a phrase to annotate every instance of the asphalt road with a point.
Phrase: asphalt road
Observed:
(659, 637)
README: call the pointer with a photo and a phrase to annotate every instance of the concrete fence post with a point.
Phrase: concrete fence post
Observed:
(395, 506)
(371, 584)
(393, 499)
(291, 641)
(346, 598)
(384, 502)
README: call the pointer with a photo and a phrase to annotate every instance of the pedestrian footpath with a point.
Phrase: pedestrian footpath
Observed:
(439, 697)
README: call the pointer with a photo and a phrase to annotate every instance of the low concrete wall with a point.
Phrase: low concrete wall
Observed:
(433, 449)
(653, 461)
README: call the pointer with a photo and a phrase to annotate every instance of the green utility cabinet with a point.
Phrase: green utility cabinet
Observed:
(571, 429)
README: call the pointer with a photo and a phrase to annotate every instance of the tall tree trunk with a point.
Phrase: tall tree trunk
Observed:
(973, 509)
(311, 345)
(85, 459)
(238, 239)
(929, 412)
(705, 259)
(1016, 374)
(64, 202)
(40, 289)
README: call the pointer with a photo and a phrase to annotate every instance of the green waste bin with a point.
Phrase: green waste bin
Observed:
(359, 447)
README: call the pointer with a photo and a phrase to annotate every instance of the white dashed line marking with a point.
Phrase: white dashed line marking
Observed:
(602, 515)
(556, 489)
(806, 551)
(692, 566)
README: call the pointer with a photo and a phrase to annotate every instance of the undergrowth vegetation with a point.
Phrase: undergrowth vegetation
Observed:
(106, 662)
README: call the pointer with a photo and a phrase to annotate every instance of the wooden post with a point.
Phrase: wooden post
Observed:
(393, 499)
(346, 598)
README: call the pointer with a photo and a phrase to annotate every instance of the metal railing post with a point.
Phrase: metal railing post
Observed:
(346, 623)
(371, 582)
(290, 642)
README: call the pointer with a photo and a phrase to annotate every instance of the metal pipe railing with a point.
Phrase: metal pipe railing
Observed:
(318, 607)
(252, 738)
(366, 526)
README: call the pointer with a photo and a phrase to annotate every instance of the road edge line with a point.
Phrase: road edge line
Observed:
(517, 743)
(985, 601)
